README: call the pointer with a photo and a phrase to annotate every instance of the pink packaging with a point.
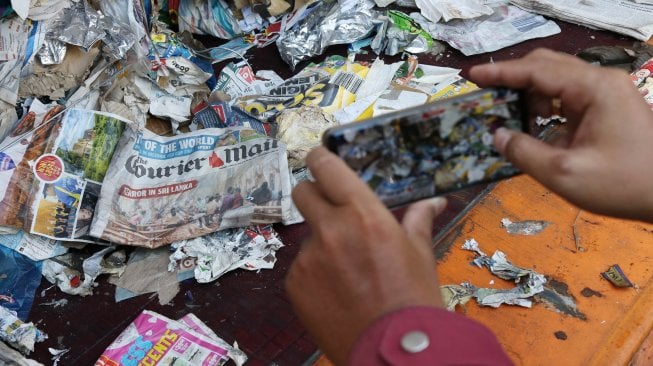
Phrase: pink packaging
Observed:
(152, 339)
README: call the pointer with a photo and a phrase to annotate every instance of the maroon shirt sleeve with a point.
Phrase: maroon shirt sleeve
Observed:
(452, 340)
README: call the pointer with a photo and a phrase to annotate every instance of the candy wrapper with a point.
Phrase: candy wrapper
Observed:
(152, 339)
(329, 23)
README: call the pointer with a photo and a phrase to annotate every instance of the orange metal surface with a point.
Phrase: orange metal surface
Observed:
(617, 320)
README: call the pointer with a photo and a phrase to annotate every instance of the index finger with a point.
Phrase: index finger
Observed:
(337, 182)
(551, 74)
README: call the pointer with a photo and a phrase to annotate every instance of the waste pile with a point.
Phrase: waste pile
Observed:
(129, 149)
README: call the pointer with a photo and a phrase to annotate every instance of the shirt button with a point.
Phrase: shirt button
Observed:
(415, 341)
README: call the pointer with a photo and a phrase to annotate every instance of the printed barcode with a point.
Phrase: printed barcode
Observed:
(528, 22)
(347, 80)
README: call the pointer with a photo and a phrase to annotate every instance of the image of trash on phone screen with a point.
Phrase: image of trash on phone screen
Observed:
(428, 150)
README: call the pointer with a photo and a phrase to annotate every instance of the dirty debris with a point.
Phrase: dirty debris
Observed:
(616, 276)
(162, 340)
(527, 227)
(57, 354)
(556, 297)
(588, 292)
(560, 335)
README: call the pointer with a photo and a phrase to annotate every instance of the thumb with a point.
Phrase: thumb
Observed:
(418, 219)
(547, 164)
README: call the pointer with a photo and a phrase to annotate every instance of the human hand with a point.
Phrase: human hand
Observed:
(358, 262)
(604, 163)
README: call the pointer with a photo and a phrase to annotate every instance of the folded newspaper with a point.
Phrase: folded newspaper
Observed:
(159, 190)
(626, 17)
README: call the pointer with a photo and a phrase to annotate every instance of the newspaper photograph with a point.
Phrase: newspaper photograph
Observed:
(53, 175)
(159, 189)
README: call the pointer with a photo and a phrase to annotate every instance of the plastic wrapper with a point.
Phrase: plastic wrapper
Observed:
(251, 248)
(54, 166)
(399, 32)
(20, 278)
(301, 130)
(327, 24)
(265, 107)
(506, 26)
(331, 85)
(154, 339)
(82, 26)
(163, 189)
(18, 334)
(212, 17)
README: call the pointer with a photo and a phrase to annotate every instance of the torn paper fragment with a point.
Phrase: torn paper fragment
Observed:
(18, 334)
(193, 322)
(496, 297)
(528, 227)
(146, 272)
(453, 295)
(616, 276)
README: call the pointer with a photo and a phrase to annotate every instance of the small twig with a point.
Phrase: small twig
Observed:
(576, 236)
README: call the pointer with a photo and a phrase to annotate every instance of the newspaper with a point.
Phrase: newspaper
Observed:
(34, 247)
(159, 190)
(508, 25)
(51, 170)
(621, 16)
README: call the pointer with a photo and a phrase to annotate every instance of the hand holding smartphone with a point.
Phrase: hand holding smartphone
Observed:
(431, 149)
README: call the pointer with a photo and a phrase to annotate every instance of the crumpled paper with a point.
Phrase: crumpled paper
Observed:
(301, 130)
(251, 248)
(328, 23)
(529, 282)
(18, 334)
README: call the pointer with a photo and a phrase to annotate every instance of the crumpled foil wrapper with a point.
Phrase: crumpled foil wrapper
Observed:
(52, 52)
(83, 26)
(327, 24)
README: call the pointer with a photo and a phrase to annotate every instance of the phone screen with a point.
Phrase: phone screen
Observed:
(431, 149)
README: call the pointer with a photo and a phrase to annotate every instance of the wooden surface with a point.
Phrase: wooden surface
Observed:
(251, 307)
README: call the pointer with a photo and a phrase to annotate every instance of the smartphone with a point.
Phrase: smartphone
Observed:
(435, 148)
